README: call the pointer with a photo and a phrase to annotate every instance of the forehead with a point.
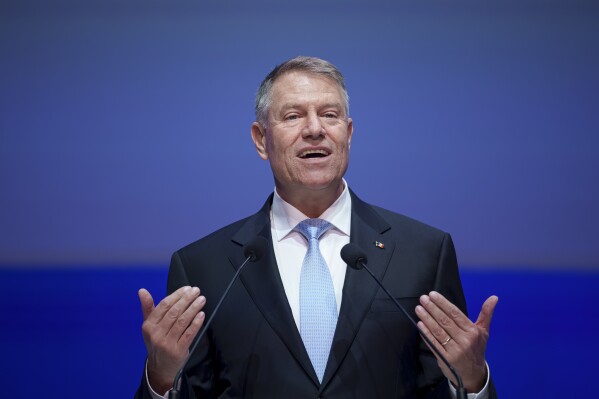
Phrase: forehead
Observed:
(299, 86)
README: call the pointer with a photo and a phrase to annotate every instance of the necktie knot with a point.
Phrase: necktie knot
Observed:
(313, 228)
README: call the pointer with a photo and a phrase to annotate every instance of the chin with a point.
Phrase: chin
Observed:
(318, 184)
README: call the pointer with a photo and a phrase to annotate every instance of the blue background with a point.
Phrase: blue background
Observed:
(124, 135)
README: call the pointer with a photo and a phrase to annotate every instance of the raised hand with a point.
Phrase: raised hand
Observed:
(461, 341)
(168, 330)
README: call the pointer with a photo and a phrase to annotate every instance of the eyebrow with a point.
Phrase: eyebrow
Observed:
(287, 106)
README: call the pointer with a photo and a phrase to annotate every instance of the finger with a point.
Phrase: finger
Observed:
(433, 339)
(192, 330)
(437, 332)
(174, 313)
(147, 302)
(451, 310)
(186, 318)
(167, 303)
(486, 313)
(441, 350)
(441, 318)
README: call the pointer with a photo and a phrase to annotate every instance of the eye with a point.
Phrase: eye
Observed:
(291, 117)
(330, 115)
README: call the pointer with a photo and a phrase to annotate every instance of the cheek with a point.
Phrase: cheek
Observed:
(344, 147)
(275, 144)
(282, 150)
(280, 161)
(270, 146)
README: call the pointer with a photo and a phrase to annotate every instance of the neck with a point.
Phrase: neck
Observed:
(312, 203)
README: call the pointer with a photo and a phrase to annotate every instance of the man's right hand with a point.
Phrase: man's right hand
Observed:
(168, 330)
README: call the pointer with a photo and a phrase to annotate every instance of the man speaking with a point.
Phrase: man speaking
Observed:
(300, 323)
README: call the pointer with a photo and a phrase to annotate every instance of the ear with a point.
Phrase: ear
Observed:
(259, 138)
(350, 131)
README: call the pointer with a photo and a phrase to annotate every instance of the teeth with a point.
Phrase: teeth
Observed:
(309, 152)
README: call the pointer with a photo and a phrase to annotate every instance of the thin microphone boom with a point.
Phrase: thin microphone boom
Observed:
(356, 259)
(252, 251)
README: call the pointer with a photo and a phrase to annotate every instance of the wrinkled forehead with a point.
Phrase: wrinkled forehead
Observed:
(296, 86)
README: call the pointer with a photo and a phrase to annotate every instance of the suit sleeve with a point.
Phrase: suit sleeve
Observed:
(447, 281)
(448, 284)
(431, 381)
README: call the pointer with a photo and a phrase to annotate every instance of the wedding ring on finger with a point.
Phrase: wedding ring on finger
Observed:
(446, 341)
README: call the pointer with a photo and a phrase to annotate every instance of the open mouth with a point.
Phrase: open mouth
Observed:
(309, 154)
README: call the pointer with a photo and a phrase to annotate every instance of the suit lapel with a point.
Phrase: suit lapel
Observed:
(367, 227)
(264, 285)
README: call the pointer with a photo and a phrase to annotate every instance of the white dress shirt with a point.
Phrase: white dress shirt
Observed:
(290, 246)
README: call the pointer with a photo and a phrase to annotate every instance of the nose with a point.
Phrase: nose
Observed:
(314, 127)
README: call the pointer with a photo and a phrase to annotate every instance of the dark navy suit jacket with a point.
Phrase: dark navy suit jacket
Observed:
(253, 348)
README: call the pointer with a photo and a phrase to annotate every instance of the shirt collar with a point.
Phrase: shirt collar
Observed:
(284, 216)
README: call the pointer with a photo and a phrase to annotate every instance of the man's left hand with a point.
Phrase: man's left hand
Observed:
(462, 342)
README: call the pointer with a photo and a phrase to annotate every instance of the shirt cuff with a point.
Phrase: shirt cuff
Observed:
(152, 392)
(483, 394)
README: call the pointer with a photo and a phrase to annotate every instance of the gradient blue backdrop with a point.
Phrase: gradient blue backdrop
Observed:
(124, 134)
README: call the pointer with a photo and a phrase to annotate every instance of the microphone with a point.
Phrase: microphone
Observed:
(356, 259)
(253, 251)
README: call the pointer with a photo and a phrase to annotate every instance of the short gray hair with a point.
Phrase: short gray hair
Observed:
(305, 64)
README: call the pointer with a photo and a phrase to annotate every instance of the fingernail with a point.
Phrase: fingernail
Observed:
(195, 290)
(434, 294)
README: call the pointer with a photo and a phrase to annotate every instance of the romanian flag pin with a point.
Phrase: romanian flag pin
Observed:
(379, 245)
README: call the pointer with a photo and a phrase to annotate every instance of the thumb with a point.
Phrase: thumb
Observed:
(486, 313)
(147, 303)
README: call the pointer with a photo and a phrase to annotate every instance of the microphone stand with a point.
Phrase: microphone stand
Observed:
(460, 391)
(175, 392)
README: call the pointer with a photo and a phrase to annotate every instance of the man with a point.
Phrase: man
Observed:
(262, 343)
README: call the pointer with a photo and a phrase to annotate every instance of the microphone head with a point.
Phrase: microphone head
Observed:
(353, 256)
(256, 248)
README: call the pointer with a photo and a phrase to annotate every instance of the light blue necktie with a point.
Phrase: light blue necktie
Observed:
(318, 307)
